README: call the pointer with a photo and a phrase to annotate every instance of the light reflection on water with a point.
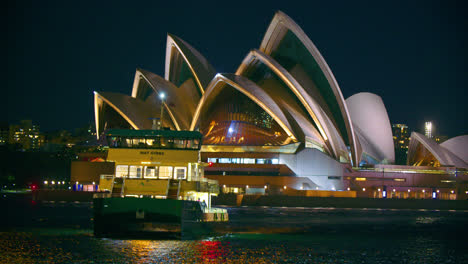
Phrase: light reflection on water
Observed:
(259, 235)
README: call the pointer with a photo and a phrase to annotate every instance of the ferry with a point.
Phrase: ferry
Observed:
(158, 186)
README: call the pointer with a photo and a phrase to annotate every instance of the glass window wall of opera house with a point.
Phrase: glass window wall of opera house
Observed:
(278, 125)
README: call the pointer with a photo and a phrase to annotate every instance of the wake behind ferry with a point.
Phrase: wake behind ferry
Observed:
(158, 186)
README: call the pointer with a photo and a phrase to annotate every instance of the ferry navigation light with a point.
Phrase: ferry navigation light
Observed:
(210, 164)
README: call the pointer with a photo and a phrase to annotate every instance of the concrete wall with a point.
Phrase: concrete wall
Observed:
(316, 166)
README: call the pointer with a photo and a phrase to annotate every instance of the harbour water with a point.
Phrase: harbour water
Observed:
(55, 232)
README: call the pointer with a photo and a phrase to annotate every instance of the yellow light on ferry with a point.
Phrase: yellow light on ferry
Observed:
(361, 179)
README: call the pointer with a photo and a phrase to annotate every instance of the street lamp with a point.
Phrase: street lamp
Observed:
(162, 95)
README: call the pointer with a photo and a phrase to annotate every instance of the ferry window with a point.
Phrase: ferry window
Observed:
(260, 161)
(214, 160)
(188, 143)
(152, 143)
(180, 172)
(164, 142)
(274, 161)
(121, 171)
(196, 143)
(127, 142)
(179, 143)
(150, 172)
(224, 160)
(165, 172)
(136, 171)
(249, 161)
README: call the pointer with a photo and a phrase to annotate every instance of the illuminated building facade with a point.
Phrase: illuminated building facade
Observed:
(26, 135)
(428, 129)
(280, 121)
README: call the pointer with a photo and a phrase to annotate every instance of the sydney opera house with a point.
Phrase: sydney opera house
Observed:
(279, 122)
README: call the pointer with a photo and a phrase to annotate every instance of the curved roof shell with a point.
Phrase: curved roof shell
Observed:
(287, 43)
(458, 146)
(180, 103)
(138, 114)
(424, 151)
(249, 89)
(368, 113)
(184, 64)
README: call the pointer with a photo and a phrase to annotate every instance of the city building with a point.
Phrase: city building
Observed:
(401, 136)
(428, 129)
(279, 122)
(26, 135)
(4, 133)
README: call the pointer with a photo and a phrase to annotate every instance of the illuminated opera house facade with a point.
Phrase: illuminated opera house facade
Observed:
(279, 123)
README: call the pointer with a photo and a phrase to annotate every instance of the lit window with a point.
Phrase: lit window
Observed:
(224, 160)
(274, 161)
(180, 172)
(360, 179)
(248, 161)
(165, 172)
(214, 160)
(121, 171)
(150, 172)
(260, 161)
(136, 171)
(399, 179)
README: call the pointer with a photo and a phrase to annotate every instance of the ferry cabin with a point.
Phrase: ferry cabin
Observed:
(157, 164)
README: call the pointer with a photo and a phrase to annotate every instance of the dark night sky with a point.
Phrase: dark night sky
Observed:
(411, 53)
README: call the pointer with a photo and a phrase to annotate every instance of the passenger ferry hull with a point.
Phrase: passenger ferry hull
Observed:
(129, 216)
